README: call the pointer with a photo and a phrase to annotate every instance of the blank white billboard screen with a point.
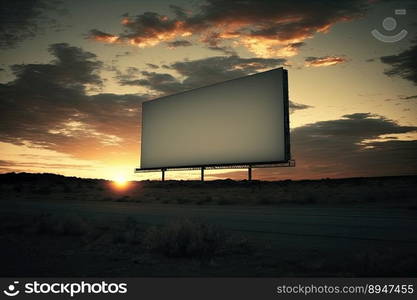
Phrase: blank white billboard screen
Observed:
(241, 121)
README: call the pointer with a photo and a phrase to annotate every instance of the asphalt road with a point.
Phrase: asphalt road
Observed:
(301, 227)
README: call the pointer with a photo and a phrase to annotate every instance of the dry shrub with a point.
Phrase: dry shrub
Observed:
(72, 225)
(191, 239)
(130, 233)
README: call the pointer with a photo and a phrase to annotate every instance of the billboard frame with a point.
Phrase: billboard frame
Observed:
(288, 162)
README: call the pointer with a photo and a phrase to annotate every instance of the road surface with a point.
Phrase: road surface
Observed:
(301, 227)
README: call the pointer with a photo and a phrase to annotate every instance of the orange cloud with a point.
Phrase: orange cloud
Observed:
(155, 37)
(126, 21)
(267, 29)
(324, 61)
(104, 37)
(266, 47)
(151, 37)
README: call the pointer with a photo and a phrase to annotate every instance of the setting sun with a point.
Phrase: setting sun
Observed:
(120, 181)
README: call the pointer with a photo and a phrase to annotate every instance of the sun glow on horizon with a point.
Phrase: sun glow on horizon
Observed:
(120, 181)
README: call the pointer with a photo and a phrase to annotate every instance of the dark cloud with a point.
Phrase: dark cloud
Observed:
(73, 68)
(324, 61)
(298, 45)
(294, 47)
(159, 82)
(353, 127)
(349, 147)
(127, 77)
(198, 73)
(402, 98)
(267, 28)
(102, 36)
(144, 30)
(153, 66)
(46, 105)
(223, 49)
(298, 106)
(179, 12)
(213, 42)
(24, 19)
(408, 97)
(403, 64)
(215, 69)
(178, 43)
(125, 53)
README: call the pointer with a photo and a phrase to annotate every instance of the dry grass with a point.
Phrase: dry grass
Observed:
(183, 238)
(63, 225)
(192, 239)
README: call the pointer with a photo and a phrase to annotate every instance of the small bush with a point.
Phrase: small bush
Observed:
(189, 239)
(225, 201)
(309, 198)
(384, 262)
(13, 224)
(64, 225)
(17, 188)
(181, 200)
(132, 233)
(204, 200)
(265, 201)
(123, 199)
(67, 189)
(42, 191)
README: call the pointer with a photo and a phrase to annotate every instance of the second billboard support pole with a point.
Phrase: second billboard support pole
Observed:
(202, 173)
(250, 173)
(163, 174)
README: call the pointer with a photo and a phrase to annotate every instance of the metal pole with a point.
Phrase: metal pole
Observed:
(250, 173)
(163, 174)
(202, 173)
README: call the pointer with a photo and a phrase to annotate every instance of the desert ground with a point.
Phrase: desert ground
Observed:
(52, 225)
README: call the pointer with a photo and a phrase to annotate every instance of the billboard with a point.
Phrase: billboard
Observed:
(243, 121)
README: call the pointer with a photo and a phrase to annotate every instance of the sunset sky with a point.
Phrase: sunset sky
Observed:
(73, 75)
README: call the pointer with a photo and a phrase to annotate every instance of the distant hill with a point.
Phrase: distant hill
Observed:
(400, 190)
(56, 178)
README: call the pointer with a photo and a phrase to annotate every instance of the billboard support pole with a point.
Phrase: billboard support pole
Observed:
(163, 174)
(202, 173)
(250, 173)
